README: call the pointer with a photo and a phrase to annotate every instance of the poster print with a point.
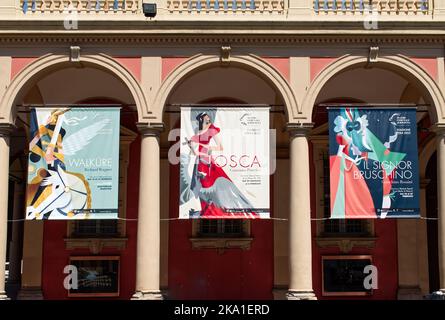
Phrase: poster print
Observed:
(98, 276)
(73, 166)
(373, 163)
(224, 166)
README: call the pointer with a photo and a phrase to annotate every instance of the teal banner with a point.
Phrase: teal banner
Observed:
(73, 167)
(373, 163)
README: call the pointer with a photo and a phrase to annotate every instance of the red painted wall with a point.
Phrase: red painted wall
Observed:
(429, 65)
(132, 64)
(56, 257)
(169, 64)
(205, 274)
(282, 65)
(319, 64)
(19, 63)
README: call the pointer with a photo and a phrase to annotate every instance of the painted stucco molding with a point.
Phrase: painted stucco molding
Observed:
(397, 63)
(50, 62)
(95, 245)
(346, 244)
(249, 62)
(221, 244)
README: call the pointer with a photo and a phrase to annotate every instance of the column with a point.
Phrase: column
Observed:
(300, 240)
(440, 131)
(5, 130)
(148, 236)
(32, 256)
(422, 241)
(15, 247)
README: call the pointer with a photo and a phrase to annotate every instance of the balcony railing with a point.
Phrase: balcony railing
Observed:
(239, 7)
(365, 7)
(257, 8)
(81, 6)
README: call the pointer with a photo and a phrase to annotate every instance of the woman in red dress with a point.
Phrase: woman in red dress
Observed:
(219, 196)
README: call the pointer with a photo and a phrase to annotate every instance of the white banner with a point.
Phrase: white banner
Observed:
(224, 163)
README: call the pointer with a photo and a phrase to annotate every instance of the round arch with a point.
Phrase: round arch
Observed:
(249, 62)
(49, 63)
(399, 64)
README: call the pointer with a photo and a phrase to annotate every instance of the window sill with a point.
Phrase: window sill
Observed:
(95, 245)
(221, 244)
(345, 243)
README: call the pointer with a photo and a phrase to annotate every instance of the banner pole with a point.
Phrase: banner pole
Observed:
(419, 107)
(75, 105)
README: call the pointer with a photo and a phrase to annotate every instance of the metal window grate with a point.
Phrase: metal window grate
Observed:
(221, 228)
(96, 228)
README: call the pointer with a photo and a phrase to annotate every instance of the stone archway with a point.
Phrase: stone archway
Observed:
(249, 62)
(51, 63)
(399, 64)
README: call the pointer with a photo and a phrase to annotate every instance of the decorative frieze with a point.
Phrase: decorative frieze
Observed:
(221, 244)
(95, 245)
(346, 244)
(234, 39)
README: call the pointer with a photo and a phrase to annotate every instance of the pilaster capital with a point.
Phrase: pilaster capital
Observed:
(299, 129)
(6, 129)
(150, 129)
(438, 129)
(319, 140)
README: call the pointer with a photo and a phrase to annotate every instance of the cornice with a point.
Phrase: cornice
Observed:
(277, 31)
(213, 39)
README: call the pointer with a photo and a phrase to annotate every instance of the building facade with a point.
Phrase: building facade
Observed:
(293, 55)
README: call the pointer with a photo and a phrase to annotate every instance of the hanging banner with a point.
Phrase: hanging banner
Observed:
(224, 163)
(373, 163)
(73, 167)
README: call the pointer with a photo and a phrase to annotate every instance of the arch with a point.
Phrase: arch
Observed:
(399, 64)
(249, 62)
(51, 62)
